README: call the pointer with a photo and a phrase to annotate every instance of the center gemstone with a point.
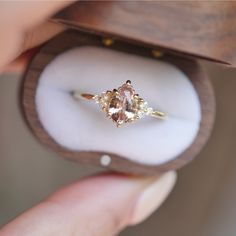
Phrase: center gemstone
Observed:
(123, 105)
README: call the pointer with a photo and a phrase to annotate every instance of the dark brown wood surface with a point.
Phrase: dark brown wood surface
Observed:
(205, 29)
(72, 39)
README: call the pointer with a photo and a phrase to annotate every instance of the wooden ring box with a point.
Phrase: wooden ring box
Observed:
(79, 38)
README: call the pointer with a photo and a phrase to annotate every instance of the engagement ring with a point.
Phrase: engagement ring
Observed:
(122, 105)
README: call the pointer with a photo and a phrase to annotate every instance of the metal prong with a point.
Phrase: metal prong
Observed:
(128, 82)
(141, 100)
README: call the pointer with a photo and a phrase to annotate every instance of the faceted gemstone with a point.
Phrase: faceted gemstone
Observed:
(104, 98)
(122, 105)
(115, 104)
(142, 108)
(118, 117)
(127, 94)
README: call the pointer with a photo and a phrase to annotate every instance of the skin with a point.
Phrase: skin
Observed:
(99, 205)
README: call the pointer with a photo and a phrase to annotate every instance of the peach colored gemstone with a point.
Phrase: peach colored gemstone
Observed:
(121, 107)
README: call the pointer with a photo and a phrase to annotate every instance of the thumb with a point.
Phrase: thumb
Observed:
(99, 205)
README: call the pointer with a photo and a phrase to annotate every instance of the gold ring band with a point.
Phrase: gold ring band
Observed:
(122, 105)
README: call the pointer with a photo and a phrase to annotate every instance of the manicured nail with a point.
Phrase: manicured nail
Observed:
(152, 196)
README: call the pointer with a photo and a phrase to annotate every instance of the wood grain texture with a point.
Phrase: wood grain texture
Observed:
(72, 39)
(203, 29)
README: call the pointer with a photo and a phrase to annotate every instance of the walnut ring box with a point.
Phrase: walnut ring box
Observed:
(100, 52)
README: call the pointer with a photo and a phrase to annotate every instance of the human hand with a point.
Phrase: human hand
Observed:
(98, 205)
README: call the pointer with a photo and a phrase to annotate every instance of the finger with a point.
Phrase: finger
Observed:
(100, 205)
(32, 39)
(40, 34)
(28, 14)
(18, 19)
(20, 63)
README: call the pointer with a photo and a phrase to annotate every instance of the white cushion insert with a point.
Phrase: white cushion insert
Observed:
(82, 126)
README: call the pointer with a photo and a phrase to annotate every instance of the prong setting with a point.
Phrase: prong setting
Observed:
(122, 105)
(128, 82)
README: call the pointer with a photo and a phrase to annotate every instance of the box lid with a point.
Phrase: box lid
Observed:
(198, 29)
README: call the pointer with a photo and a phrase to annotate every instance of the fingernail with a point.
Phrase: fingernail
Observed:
(152, 196)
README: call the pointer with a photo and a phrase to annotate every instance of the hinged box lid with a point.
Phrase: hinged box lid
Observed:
(198, 29)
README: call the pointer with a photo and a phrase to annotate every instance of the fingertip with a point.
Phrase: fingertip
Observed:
(99, 205)
(153, 197)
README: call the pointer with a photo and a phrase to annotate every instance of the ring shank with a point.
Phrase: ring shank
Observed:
(158, 114)
(87, 96)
